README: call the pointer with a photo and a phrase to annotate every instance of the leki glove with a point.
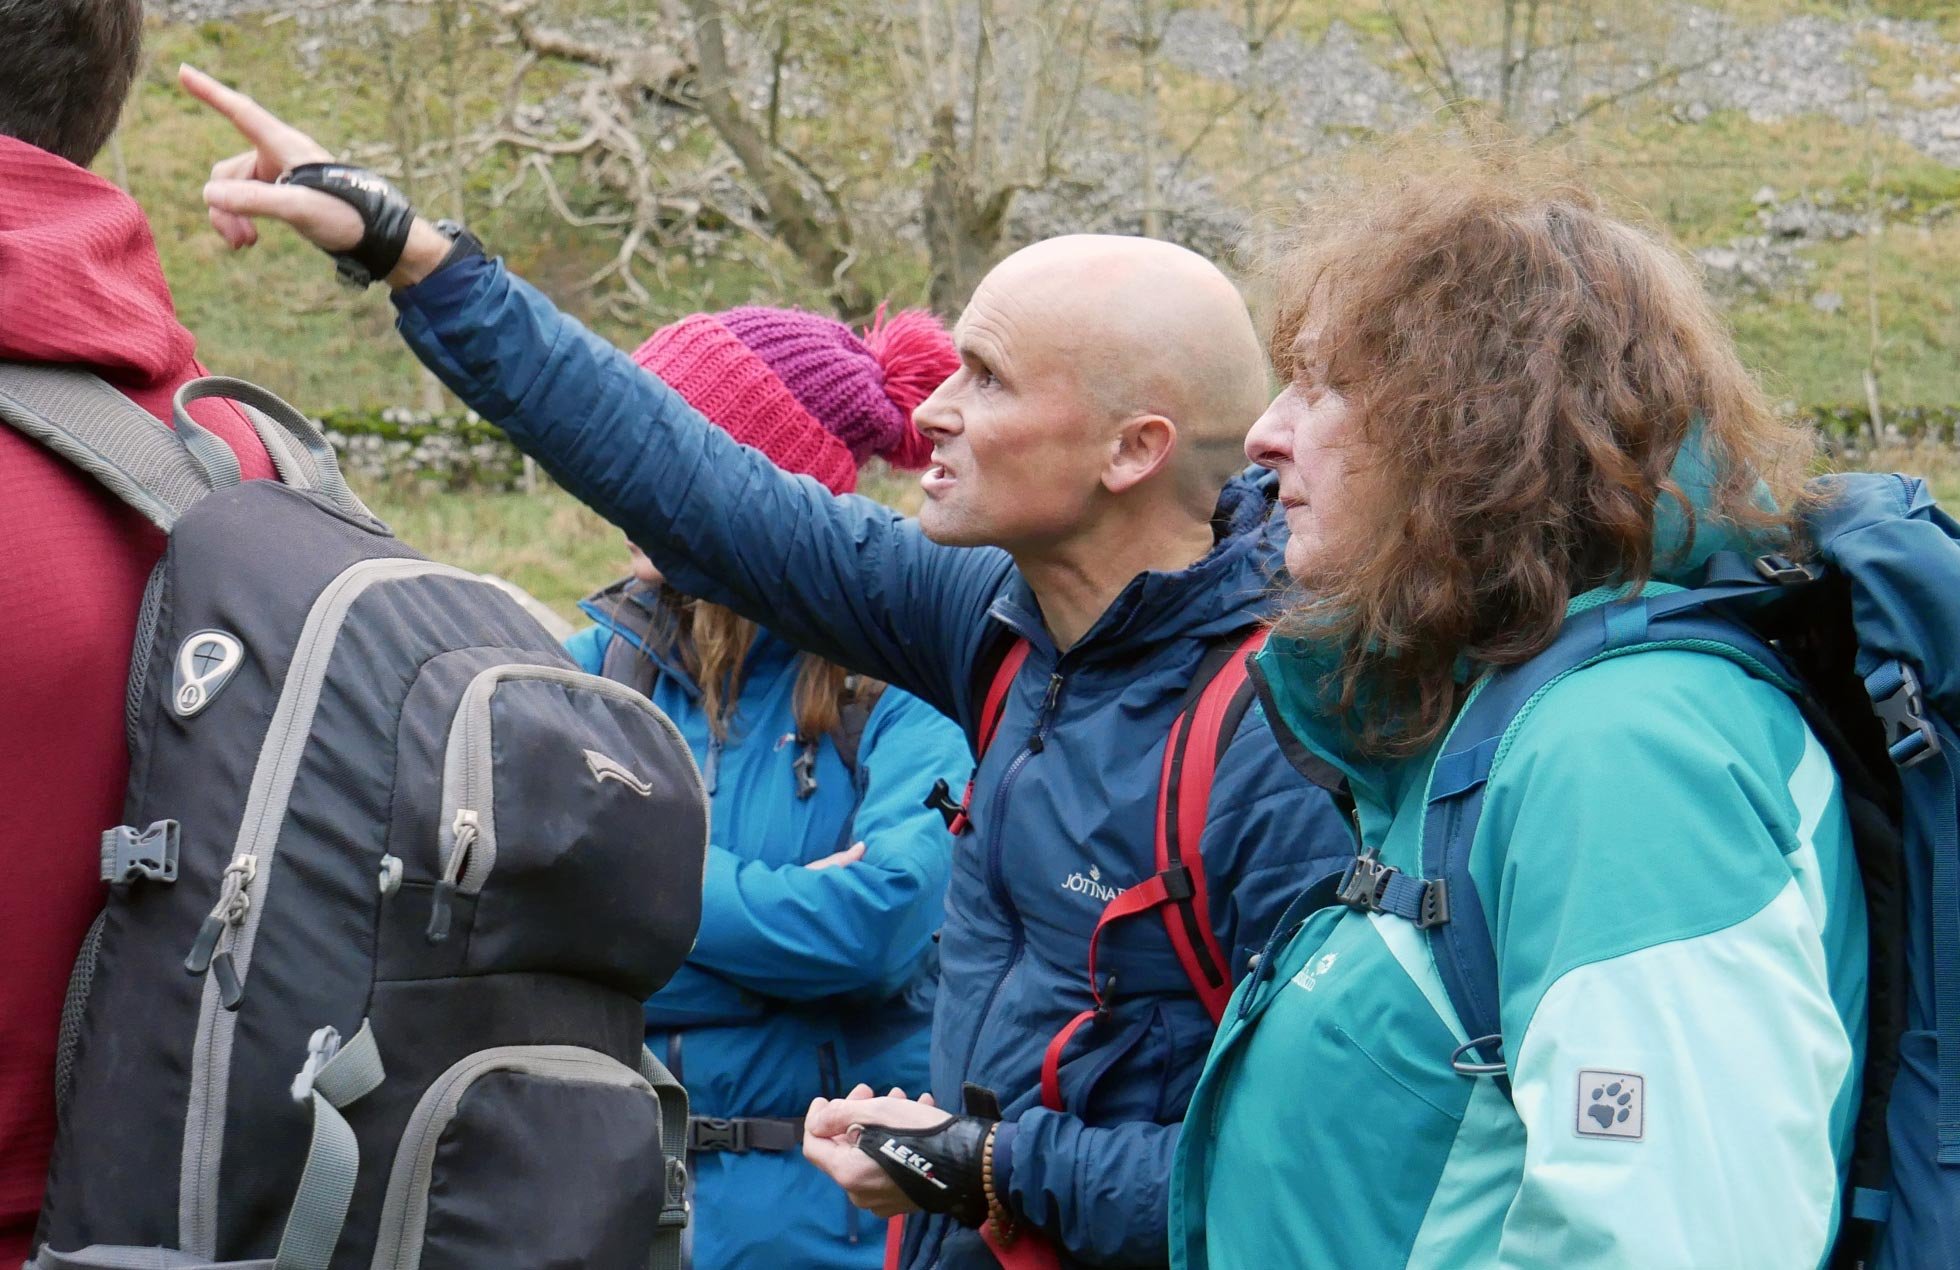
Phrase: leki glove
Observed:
(939, 1169)
(385, 216)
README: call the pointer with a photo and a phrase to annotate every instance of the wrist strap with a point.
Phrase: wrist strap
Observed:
(385, 217)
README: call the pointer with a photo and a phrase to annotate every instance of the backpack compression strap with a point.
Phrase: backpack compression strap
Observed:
(159, 473)
(1218, 699)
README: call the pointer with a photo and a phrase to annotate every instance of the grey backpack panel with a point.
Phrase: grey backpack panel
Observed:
(378, 828)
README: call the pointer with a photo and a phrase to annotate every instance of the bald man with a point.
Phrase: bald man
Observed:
(1081, 558)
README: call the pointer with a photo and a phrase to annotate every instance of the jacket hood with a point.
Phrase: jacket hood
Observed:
(1681, 549)
(79, 278)
(1204, 600)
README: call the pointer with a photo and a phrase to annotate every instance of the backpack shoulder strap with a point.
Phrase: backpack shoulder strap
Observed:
(158, 473)
(1215, 703)
(860, 698)
(1222, 694)
(1444, 901)
(993, 704)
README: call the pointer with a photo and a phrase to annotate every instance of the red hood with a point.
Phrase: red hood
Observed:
(79, 279)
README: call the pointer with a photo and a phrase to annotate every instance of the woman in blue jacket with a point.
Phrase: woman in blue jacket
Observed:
(814, 968)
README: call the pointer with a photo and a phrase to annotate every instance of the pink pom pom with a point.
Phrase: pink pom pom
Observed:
(917, 355)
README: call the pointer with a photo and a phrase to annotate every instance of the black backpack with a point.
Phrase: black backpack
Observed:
(394, 881)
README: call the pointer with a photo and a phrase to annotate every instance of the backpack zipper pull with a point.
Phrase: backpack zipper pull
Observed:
(465, 829)
(234, 901)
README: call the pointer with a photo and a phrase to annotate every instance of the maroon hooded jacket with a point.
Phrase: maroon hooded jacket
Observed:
(79, 283)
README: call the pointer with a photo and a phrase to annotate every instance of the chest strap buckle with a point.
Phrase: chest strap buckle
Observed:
(1369, 886)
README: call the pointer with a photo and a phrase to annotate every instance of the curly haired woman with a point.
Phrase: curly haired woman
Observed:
(1504, 407)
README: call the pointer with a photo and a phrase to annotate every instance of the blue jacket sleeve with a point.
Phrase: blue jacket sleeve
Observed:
(797, 933)
(1105, 1190)
(839, 576)
(588, 648)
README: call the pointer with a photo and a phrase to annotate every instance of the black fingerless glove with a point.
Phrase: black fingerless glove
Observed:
(385, 215)
(939, 1169)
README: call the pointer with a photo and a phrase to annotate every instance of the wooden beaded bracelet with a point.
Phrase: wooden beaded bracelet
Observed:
(998, 1217)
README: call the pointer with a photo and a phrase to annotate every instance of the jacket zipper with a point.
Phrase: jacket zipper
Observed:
(996, 882)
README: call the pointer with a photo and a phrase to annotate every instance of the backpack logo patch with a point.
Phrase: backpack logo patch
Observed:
(205, 663)
(609, 769)
(1612, 1105)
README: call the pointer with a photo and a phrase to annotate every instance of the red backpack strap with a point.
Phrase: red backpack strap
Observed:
(1198, 740)
(986, 724)
(1219, 697)
(995, 703)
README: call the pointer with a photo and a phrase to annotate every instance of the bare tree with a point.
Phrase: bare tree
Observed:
(997, 82)
(805, 211)
(796, 207)
(1148, 23)
(1874, 228)
(1583, 35)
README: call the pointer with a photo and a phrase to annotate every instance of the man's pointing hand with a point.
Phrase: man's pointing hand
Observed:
(243, 186)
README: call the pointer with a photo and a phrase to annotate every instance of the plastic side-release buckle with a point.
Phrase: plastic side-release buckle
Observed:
(129, 854)
(1783, 571)
(1364, 881)
(1909, 735)
(941, 801)
(1370, 886)
(711, 1133)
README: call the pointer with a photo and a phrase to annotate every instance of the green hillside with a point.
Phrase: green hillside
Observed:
(1759, 147)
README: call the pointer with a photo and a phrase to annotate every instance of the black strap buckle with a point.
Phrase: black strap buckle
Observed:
(1909, 735)
(1435, 909)
(1177, 884)
(1370, 886)
(711, 1133)
(941, 800)
(1364, 882)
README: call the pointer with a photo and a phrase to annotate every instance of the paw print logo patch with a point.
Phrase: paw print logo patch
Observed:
(1612, 1105)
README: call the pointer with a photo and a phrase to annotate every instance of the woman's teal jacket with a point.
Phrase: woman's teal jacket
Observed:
(1666, 870)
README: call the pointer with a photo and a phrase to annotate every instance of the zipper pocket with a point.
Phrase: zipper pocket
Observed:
(405, 1210)
(223, 947)
(467, 845)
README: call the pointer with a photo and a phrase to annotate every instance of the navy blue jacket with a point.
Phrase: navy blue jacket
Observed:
(1059, 825)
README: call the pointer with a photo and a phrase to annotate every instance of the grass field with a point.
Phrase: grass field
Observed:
(274, 314)
(546, 542)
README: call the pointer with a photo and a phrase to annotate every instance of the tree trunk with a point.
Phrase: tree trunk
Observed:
(1149, 37)
(822, 242)
(962, 237)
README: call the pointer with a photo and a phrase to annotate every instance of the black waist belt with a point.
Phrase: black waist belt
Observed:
(741, 1134)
